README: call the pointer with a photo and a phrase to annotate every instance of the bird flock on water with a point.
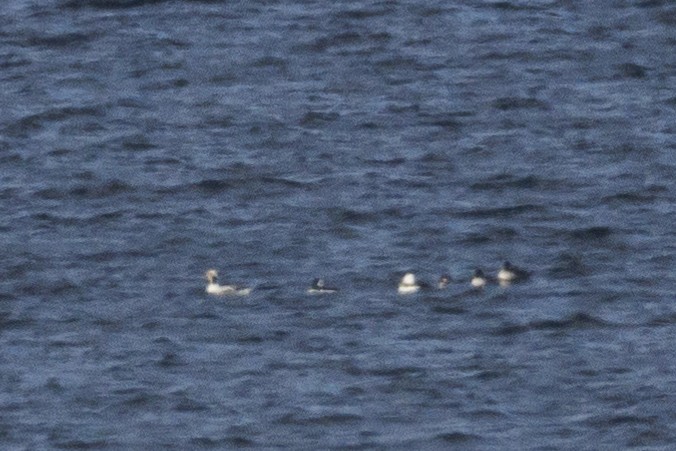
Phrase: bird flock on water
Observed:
(506, 275)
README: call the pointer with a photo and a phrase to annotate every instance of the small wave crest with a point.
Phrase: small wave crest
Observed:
(575, 321)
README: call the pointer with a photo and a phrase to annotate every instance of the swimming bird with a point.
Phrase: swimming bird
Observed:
(214, 288)
(444, 280)
(408, 284)
(478, 279)
(318, 287)
(510, 273)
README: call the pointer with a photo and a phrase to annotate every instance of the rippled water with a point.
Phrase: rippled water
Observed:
(143, 142)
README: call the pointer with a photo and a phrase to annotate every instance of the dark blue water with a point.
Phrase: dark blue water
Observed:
(144, 142)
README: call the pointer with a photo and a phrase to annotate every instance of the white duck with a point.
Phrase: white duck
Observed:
(408, 284)
(478, 279)
(510, 273)
(214, 288)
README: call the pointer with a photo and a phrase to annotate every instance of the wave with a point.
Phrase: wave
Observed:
(488, 235)
(503, 212)
(88, 191)
(316, 118)
(644, 196)
(254, 182)
(568, 265)
(665, 320)
(348, 39)
(457, 437)
(222, 443)
(328, 419)
(502, 181)
(32, 123)
(447, 121)
(575, 321)
(632, 70)
(59, 40)
(591, 233)
(110, 4)
(361, 13)
(520, 103)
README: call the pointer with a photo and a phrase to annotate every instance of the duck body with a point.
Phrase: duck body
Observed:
(444, 281)
(510, 273)
(318, 287)
(478, 279)
(213, 287)
(408, 284)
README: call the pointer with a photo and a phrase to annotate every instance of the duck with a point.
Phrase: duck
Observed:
(408, 284)
(318, 287)
(478, 279)
(510, 273)
(214, 288)
(444, 280)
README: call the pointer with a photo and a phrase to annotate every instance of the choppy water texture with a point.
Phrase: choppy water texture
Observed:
(143, 142)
